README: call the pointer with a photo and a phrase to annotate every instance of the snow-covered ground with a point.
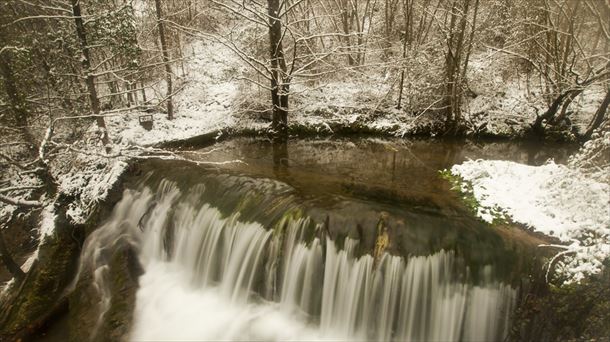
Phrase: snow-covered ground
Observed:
(205, 102)
(506, 102)
(558, 200)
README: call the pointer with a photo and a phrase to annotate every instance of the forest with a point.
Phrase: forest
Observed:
(322, 145)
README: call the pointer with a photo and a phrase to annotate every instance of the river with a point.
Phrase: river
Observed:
(349, 239)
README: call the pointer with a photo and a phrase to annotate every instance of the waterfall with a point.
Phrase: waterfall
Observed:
(213, 276)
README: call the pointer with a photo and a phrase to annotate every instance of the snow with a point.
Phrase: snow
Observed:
(554, 199)
(46, 228)
(204, 105)
(593, 158)
(505, 102)
(90, 184)
(18, 179)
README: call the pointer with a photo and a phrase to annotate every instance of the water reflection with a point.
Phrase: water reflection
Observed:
(280, 159)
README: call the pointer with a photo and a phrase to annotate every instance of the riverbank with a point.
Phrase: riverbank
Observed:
(562, 201)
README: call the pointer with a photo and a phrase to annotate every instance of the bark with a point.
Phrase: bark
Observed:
(550, 112)
(165, 53)
(408, 8)
(453, 66)
(130, 99)
(346, 25)
(8, 261)
(564, 109)
(279, 79)
(143, 92)
(402, 75)
(90, 79)
(15, 98)
(19, 202)
(567, 96)
(599, 116)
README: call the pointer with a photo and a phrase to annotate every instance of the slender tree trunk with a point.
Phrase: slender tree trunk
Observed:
(129, 95)
(599, 116)
(165, 53)
(279, 79)
(454, 59)
(15, 98)
(402, 74)
(408, 9)
(345, 23)
(90, 80)
(116, 99)
(143, 92)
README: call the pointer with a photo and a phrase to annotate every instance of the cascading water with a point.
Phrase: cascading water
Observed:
(212, 276)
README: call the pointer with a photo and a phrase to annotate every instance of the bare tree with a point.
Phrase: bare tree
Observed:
(280, 81)
(565, 42)
(89, 78)
(459, 46)
(165, 53)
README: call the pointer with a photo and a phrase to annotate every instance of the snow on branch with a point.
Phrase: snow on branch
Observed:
(20, 202)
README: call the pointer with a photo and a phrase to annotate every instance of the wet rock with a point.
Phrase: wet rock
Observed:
(41, 294)
(104, 313)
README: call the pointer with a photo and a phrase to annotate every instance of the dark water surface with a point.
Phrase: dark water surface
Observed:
(343, 239)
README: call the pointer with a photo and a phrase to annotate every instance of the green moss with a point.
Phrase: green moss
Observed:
(43, 287)
(466, 193)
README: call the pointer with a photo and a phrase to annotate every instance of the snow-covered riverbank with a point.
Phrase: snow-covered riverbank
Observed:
(558, 200)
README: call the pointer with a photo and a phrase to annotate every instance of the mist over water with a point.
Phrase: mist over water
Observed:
(212, 276)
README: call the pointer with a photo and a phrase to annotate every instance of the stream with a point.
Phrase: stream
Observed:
(349, 239)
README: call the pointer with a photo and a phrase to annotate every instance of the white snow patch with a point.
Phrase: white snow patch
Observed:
(90, 184)
(553, 199)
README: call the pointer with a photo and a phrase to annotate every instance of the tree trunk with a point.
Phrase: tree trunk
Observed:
(550, 113)
(90, 80)
(402, 75)
(455, 64)
(279, 79)
(165, 53)
(599, 116)
(143, 92)
(15, 98)
(130, 100)
(346, 24)
(8, 261)
(406, 40)
(564, 109)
